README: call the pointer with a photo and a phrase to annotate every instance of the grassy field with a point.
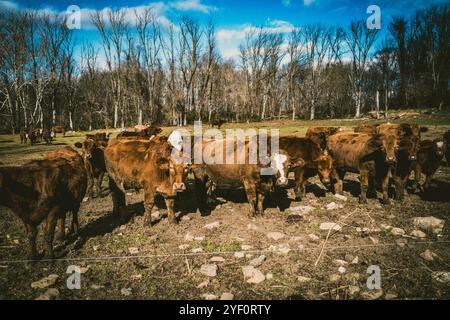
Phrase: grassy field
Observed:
(165, 261)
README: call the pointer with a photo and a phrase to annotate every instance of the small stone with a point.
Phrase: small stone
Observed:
(335, 277)
(253, 227)
(212, 225)
(227, 296)
(275, 235)
(16, 241)
(296, 238)
(95, 248)
(50, 294)
(342, 270)
(390, 296)
(372, 295)
(401, 242)
(239, 239)
(441, 276)
(303, 279)
(183, 246)
(201, 238)
(269, 276)
(123, 227)
(332, 206)
(136, 277)
(186, 217)
(197, 250)
(313, 237)
(239, 254)
(429, 223)
(246, 247)
(45, 282)
(280, 248)
(428, 255)
(258, 261)
(397, 231)
(418, 234)
(252, 275)
(133, 250)
(340, 197)
(355, 260)
(362, 230)
(300, 209)
(209, 270)
(203, 284)
(126, 291)
(97, 286)
(248, 256)
(339, 262)
(329, 225)
(209, 296)
(352, 290)
(217, 259)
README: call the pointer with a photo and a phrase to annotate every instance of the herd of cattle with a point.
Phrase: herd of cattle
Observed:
(47, 189)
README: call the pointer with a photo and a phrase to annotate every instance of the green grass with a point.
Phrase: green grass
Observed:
(12, 152)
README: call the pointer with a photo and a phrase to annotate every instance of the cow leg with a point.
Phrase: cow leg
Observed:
(49, 232)
(32, 233)
(299, 184)
(385, 188)
(364, 182)
(260, 202)
(201, 195)
(149, 202)
(338, 177)
(428, 181)
(99, 181)
(399, 188)
(75, 225)
(250, 190)
(417, 176)
(170, 210)
(118, 197)
(61, 228)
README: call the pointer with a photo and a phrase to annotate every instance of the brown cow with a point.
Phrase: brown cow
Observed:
(447, 147)
(24, 135)
(364, 154)
(256, 178)
(92, 153)
(429, 158)
(38, 134)
(101, 137)
(144, 134)
(47, 136)
(44, 190)
(406, 154)
(320, 135)
(148, 165)
(218, 123)
(366, 128)
(59, 129)
(316, 161)
(401, 130)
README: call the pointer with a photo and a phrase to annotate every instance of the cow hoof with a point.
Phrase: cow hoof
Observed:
(362, 201)
(173, 221)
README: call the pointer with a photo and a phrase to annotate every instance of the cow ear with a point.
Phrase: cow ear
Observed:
(423, 129)
(78, 145)
(162, 163)
(297, 163)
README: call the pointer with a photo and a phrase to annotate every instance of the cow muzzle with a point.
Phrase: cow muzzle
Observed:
(390, 159)
(179, 186)
(282, 181)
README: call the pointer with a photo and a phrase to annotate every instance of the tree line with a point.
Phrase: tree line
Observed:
(174, 75)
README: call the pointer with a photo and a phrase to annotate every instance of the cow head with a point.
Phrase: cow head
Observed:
(409, 146)
(440, 147)
(324, 165)
(175, 172)
(281, 164)
(389, 147)
(88, 147)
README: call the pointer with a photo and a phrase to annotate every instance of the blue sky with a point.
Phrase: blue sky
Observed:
(233, 17)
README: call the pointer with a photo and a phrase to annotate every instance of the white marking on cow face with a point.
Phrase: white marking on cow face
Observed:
(440, 144)
(278, 164)
(176, 140)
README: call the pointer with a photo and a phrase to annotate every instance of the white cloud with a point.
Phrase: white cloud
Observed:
(308, 2)
(8, 5)
(192, 5)
(286, 3)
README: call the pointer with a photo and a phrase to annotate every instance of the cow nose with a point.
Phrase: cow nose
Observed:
(390, 158)
(282, 181)
(326, 181)
(179, 186)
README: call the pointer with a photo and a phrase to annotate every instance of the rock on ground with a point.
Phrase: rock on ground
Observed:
(50, 294)
(227, 296)
(212, 225)
(275, 235)
(252, 275)
(209, 270)
(45, 282)
(329, 225)
(258, 261)
(429, 223)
